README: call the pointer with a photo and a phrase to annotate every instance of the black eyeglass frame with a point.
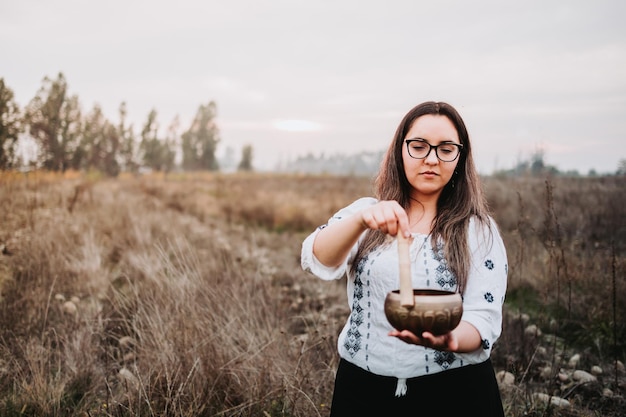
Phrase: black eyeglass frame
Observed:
(431, 147)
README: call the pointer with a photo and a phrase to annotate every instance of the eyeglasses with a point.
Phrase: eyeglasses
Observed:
(420, 149)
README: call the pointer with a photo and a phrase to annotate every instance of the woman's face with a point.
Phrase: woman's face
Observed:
(428, 176)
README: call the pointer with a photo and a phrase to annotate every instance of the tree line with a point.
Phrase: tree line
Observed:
(66, 138)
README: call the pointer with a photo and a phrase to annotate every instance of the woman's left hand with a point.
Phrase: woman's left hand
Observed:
(446, 342)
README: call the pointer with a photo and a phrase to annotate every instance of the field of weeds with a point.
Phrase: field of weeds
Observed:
(183, 295)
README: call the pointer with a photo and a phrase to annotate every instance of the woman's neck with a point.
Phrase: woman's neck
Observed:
(422, 214)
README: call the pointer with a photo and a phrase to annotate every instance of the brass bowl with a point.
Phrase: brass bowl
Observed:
(435, 311)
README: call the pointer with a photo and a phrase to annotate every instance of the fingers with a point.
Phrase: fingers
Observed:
(406, 336)
(388, 217)
(446, 342)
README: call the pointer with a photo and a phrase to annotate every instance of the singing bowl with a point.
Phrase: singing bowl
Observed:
(435, 311)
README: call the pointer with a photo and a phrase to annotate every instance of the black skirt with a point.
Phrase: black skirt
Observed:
(470, 390)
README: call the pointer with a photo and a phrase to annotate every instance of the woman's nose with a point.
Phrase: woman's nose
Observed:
(431, 158)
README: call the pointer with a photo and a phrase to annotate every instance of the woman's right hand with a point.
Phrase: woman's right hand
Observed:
(333, 243)
(387, 216)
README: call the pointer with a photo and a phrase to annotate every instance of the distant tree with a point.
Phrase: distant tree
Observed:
(171, 144)
(537, 164)
(108, 158)
(129, 150)
(54, 121)
(158, 154)
(100, 144)
(150, 146)
(10, 126)
(621, 167)
(247, 154)
(199, 142)
(534, 166)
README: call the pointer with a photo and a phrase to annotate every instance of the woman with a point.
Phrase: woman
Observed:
(427, 189)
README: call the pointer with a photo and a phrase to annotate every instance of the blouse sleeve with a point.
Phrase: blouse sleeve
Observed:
(308, 260)
(486, 284)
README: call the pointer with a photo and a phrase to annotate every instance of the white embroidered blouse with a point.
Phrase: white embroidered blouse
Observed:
(364, 340)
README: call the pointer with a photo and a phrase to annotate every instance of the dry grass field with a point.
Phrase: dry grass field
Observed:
(183, 295)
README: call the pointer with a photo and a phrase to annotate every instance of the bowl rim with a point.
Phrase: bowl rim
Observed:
(427, 292)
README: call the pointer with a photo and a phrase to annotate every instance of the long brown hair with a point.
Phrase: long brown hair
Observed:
(461, 199)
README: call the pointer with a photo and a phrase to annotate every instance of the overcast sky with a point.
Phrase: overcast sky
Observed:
(292, 77)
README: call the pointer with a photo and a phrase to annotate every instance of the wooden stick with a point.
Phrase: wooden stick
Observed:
(406, 287)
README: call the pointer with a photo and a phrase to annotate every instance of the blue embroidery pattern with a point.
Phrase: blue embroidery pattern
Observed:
(489, 264)
(443, 275)
(444, 359)
(485, 344)
(353, 339)
(489, 297)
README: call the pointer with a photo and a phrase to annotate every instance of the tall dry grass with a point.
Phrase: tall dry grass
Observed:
(183, 295)
(125, 305)
(562, 237)
(565, 239)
